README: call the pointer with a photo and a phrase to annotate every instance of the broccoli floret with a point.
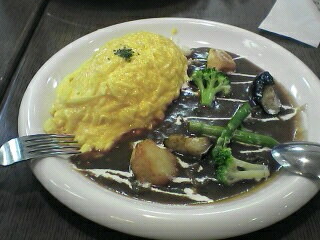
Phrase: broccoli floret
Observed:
(230, 169)
(210, 82)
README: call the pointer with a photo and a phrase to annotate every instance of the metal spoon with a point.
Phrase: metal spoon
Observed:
(302, 158)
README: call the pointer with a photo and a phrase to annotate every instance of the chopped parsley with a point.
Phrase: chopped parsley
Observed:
(125, 53)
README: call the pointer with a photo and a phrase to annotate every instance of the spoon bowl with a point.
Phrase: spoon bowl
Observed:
(302, 158)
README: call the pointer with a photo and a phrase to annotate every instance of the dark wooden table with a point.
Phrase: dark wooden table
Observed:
(33, 30)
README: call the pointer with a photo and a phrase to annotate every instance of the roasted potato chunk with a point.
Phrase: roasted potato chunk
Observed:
(220, 60)
(153, 164)
(190, 145)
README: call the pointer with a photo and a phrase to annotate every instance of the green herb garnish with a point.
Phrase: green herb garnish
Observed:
(125, 53)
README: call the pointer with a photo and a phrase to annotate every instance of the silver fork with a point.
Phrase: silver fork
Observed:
(37, 146)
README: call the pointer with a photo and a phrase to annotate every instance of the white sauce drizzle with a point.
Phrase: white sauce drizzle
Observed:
(241, 74)
(181, 180)
(121, 173)
(179, 120)
(190, 92)
(288, 116)
(206, 118)
(264, 119)
(197, 197)
(122, 177)
(243, 82)
(203, 179)
(170, 193)
(145, 185)
(247, 144)
(231, 99)
(239, 57)
(284, 117)
(189, 180)
(106, 174)
(99, 172)
(161, 146)
(264, 149)
(189, 194)
(285, 107)
(183, 164)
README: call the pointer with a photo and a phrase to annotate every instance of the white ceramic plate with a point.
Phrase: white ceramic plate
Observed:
(275, 201)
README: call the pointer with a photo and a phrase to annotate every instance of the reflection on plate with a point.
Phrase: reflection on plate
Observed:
(267, 205)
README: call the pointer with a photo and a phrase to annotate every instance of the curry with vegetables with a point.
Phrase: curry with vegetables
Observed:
(214, 141)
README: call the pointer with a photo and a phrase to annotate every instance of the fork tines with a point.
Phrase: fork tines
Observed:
(47, 136)
(34, 140)
(50, 144)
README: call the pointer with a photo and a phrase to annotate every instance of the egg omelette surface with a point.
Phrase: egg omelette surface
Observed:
(111, 94)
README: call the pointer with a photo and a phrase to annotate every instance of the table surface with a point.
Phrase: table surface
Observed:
(33, 30)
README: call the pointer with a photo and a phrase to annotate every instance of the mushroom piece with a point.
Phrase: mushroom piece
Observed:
(191, 145)
(220, 60)
(263, 93)
(270, 102)
(153, 164)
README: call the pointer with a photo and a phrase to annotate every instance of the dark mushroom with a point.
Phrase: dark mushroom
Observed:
(264, 95)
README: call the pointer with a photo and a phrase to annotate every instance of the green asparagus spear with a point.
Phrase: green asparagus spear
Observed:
(229, 169)
(233, 124)
(239, 136)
